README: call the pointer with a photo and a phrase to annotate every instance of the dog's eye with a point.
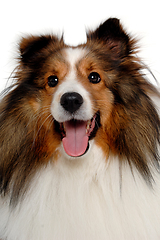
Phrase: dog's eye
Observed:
(94, 77)
(52, 80)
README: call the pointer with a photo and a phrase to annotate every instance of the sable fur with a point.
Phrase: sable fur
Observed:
(133, 128)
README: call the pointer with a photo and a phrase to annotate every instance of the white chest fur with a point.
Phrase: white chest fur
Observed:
(84, 199)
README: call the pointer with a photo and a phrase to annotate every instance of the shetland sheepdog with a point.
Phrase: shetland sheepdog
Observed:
(79, 142)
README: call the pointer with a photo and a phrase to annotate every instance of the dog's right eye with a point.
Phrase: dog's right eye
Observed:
(52, 80)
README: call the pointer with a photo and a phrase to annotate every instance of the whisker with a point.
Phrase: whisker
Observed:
(49, 125)
(40, 129)
(96, 122)
(38, 115)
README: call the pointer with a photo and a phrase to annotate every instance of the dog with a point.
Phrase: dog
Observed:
(80, 136)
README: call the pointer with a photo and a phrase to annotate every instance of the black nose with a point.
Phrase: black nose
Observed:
(71, 101)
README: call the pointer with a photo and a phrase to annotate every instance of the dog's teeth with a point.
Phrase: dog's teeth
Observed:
(88, 126)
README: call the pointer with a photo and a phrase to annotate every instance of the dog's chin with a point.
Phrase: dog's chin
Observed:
(76, 135)
(77, 158)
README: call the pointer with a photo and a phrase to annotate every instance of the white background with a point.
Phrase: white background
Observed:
(141, 18)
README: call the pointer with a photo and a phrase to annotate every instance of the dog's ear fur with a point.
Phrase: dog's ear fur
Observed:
(113, 36)
(31, 47)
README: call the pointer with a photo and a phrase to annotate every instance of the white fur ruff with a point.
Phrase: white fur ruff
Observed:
(87, 199)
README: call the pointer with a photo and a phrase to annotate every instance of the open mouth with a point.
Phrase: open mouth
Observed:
(77, 133)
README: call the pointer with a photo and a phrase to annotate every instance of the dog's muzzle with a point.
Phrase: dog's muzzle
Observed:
(76, 133)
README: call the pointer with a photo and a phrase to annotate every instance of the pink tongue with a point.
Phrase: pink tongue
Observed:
(76, 141)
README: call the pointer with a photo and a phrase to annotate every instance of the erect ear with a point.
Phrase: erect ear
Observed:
(113, 36)
(32, 46)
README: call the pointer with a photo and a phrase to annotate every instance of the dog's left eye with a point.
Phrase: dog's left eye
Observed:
(52, 80)
(94, 77)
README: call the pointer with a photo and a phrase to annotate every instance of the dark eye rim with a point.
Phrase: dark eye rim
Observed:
(52, 80)
(94, 77)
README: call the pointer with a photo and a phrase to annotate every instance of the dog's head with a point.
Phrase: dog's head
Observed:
(92, 91)
(77, 83)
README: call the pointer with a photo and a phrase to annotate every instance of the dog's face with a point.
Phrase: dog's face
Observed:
(74, 88)
(80, 99)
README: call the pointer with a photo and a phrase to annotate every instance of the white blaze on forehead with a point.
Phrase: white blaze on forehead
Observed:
(74, 55)
(71, 83)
